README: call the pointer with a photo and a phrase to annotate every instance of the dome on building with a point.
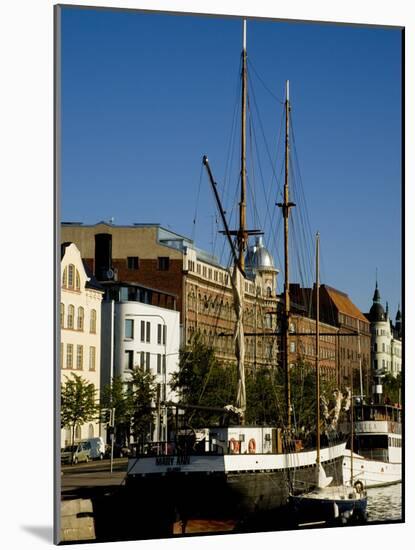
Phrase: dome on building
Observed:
(258, 258)
(377, 313)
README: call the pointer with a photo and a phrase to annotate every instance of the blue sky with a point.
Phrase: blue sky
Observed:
(145, 96)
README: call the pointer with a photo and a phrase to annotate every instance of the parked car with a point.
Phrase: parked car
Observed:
(97, 447)
(80, 452)
(119, 451)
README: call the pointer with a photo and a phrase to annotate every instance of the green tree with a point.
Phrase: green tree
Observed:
(114, 396)
(202, 380)
(392, 386)
(264, 396)
(141, 395)
(78, 403)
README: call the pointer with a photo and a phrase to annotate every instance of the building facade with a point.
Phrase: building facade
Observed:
(386, 341)
(346, 337)
(151, 255)
(136, 333)
(80, 335)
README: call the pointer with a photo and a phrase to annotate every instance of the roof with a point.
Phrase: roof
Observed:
(344, 304)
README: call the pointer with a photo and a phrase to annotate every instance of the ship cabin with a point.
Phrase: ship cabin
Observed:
(222, 440)
(377, 431)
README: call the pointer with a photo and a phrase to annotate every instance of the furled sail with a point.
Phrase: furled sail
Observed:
(237, 281)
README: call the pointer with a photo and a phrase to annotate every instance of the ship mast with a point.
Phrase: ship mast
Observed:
(318, 461)
(238, 252)
(242, 235)
(286, 205)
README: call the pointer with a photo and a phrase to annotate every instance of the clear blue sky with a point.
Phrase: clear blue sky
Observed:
(145, 96)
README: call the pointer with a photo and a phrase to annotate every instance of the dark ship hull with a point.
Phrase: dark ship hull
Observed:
(222, 492)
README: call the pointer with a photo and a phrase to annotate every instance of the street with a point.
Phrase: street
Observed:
(91, 477)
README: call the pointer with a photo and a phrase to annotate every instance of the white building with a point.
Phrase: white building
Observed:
(80, 321)
(138, 334)
(386, 338)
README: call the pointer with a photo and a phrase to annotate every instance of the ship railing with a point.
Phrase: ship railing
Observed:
(171, 448)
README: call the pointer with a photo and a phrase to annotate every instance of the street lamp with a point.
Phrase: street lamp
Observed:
(164, 371)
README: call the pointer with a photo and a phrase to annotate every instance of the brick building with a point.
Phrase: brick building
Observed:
(153, 256)
(350, 350)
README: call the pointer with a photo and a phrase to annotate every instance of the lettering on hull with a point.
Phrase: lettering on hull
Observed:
(172, 460)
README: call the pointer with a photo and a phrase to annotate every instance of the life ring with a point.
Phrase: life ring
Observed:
(234, 446)
(358, 486)
(252, 446)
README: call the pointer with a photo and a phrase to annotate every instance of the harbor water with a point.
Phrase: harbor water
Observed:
(385, 503)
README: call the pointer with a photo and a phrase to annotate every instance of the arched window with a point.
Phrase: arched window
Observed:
(62, 315)
(71, 314)
(77, 281)
(65, 277)
(71, 273)
(80, 324)
(93, 322)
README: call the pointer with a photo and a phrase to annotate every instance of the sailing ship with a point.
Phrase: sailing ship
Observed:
(234, 471)
(326, 504)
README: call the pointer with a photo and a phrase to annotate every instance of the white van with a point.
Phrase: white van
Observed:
(97, 447)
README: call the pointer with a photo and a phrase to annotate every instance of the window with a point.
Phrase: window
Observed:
(80, 324)
(93, 322)
(132, 262)
(91, 431)
(79, 357)
(148, 331)
(142, 359)
(92, 356)
(129, 359)
(292, 347)
(71, 314)
(163, 263)
(158, 363)
(71, 270)
(77, 280)
(164, 334)
(142, 331)
(69, 356)
(148, 361)
(164, 364)
(61, 355)
(158, 334)
(383, 347)
(62, 315)
(129, 328)
(65, 277)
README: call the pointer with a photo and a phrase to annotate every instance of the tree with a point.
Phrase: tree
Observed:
(78, 403)
(141, 395)
(133, 401)
(392, 387)
(114, 396)
(202, 380)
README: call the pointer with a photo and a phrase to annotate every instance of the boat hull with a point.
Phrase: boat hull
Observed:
(330, 511)
(373, 473)
(238, 488)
